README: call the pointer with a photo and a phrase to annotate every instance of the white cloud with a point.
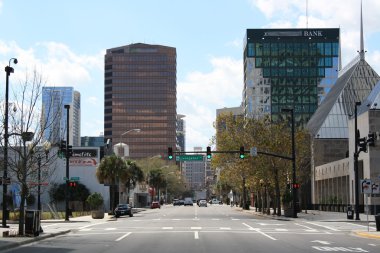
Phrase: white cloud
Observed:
(200, 94)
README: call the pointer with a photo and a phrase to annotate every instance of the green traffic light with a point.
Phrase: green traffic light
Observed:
(170, 157)
(208, 156)
(241, 156)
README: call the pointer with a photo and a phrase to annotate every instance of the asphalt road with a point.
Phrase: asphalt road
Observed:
(212, 229)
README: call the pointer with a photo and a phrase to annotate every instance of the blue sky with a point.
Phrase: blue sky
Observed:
(66, 42)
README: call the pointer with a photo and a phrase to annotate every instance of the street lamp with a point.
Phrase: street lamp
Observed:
(356, 163)
(294, 195)
(8, 70)
(131, 130)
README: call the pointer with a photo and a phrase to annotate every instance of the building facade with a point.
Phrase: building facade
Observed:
(288, 68)
(54, 115)
(181, 132)
(140, 93)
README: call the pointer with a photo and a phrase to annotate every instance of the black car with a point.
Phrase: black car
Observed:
(123, 209)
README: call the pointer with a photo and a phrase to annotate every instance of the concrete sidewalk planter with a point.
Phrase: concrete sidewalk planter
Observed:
(96, 202)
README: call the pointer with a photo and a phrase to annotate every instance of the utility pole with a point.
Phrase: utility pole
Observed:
(356, 163)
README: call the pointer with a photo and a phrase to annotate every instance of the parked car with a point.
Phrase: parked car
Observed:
(179, 202)
(155, 204)
(202, 202)
(123, 209)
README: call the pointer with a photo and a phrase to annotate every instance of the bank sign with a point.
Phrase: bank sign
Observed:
(84, 157)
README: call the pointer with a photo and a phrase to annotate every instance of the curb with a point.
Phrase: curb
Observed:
(367, 235)
(34, 239)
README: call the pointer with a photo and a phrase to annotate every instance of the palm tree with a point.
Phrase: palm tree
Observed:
(157, 180)
(131, 175)
(109, 171)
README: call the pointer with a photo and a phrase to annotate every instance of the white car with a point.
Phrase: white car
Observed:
(202, 202)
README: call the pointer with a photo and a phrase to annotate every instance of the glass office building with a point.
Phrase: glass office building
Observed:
(288, 68)
(141, 93)
(54, 115)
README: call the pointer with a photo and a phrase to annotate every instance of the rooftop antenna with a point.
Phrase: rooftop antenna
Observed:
(361, 52)
(307, 15)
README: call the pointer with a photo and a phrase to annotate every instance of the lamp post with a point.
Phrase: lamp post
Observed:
(8, 70)
(294, 194)
(356, 163)
(67, 107)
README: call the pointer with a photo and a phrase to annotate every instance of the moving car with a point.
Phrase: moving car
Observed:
(178, 202)
(188, 202)
(155, 204)
(123, 209)
(202, 202)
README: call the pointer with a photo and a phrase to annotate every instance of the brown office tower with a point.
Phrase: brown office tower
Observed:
(140, 99)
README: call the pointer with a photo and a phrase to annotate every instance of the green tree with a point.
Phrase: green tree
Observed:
(109, 171)
(131, 175)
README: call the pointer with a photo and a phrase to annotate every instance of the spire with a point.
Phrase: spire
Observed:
(361, 52)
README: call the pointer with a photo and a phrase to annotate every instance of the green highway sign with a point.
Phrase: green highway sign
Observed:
(180, 158)
(74, 178)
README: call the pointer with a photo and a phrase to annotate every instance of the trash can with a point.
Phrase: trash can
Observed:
(350, 213)
(32, 222)
(377, 219)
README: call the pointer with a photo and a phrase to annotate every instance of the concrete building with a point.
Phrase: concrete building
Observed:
(54, 115)
(140, 93)
(181, 133)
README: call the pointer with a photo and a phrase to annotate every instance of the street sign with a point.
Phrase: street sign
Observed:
(253, 151)
(375, 188)
(366, 186)
(180, 158)
(74, 178)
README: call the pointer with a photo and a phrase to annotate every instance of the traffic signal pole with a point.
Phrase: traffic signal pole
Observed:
(356, 163)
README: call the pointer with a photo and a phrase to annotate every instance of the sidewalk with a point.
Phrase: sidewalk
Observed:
(315, 215)
(50, 228)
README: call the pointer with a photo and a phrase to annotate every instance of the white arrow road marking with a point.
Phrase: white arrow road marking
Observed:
(122, 237)
(196, 235)
(258, 231)
(321, 242)
(167, 227)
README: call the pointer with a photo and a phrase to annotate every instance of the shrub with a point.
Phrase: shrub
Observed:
(95, 200)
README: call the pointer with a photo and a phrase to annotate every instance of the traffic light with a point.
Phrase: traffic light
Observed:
(62, 147)
(296, 186)
(208, 152)
(242, 154)
(72, 184)
(170, 153)
(371, 139)
(70, 150)
(362, 143)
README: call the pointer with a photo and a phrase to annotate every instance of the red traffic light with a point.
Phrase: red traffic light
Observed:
(72, 184)
(296, 186)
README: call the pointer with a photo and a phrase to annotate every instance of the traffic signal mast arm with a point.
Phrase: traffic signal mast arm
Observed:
(231, 152)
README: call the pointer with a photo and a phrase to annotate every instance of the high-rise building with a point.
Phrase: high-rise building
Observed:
(288, 68)
(55, 115)
(181, 132)
(140, 93)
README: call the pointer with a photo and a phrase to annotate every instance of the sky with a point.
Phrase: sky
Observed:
(65, 41)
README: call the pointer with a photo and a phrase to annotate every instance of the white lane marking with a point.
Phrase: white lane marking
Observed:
(215, 219)
(196, 228)
(329, 228)
(156, 219)
(108, 229)
(309, 228)
(235, 219)
(91, 225)
(167, 227)
(196, 235)
(223, 228)
(176, 219)
(86, 229)
(269, 224)
(260, 232)
(122, 237)
(281, 229)
(322, 242)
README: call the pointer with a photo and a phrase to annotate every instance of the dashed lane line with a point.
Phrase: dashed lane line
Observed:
(329, 228)
(122, 237)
